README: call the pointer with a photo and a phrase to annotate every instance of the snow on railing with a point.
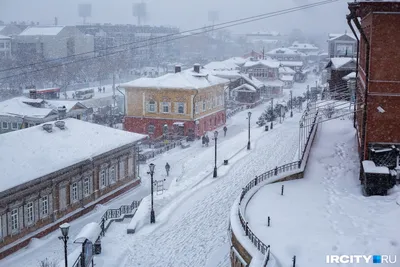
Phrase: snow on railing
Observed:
(289, 167)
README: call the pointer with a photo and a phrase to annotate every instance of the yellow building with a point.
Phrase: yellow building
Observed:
(187, 103)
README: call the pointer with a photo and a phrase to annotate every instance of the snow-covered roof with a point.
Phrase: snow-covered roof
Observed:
(253, 81)
(268, 33)
(31, 153)
(64, 103)
(90, 231)
(338, 62)
(370, 167)
(292, 63)
(297, 45)
(236, 60)
(334, 36)
(286, 70)
(276, 83)
(349, 76)
(266, 63)
(221, 65)
(4, 37)
(284, 51)
(17, 107)
(42, 30)
(245, 88)
(287, 78)
(181, 80)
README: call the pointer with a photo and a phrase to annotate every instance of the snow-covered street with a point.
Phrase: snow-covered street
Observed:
(325, 213)
(195, 233)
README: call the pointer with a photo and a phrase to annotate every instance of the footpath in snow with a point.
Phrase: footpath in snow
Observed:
(50, 246)
(191, 230)
(325, 213)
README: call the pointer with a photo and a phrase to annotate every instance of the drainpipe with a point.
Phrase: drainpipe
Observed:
(357, 55)
(364, 126)
(194, 111)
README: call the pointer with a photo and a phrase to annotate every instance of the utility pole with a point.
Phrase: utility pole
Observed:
(291, 103)
(114, 98)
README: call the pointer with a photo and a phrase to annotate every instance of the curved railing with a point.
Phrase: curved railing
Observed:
(289, 167)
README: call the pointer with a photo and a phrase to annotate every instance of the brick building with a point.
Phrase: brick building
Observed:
(50, 177)
(187, 103)
(378, 78)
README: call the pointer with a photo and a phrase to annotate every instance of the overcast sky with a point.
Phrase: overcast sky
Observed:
(185, 14)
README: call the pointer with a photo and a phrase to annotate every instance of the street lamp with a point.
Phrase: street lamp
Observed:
(248, 143)
(215, 166)
(291, 103)
(151, 172)
(64, 231)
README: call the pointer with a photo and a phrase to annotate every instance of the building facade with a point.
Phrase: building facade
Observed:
(188, 103)
(342, 45)
(286, 54)
(52, 42)
(337, 69)
(34, 201)
(378, 82)
(5, 46)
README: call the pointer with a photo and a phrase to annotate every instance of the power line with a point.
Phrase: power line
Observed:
(231, 24)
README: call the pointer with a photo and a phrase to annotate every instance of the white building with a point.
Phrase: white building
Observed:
(5, 46)
(51, 42)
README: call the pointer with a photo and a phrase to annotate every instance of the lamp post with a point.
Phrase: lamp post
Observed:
(215, 166)
(248, 143)
(151, 172)
(64, 231)
(291, 103)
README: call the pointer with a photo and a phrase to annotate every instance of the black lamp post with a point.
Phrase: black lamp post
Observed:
(215, 166)
(248, 143)
(291, 103)
(151, 172)
(64, 231)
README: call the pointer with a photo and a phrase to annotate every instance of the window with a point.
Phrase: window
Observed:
(112, 174)
(45, 206)
(14, 220)
(196, 108)
(122, 172)
(152, 106)
(165, 107)
(151, 129)
(7, 45)
(29, 212)
(204, 105)
(103, 178)
(31, 124)
(74, 192)
(86, 186)
(4, 125)
(14, 125)
(181, 107)
(1, 45)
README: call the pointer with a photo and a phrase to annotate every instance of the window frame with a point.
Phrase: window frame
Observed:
(102, 178)
(74, 192)
(86, 186)
(179, 106)
(14, 220)
(30, 213)
(45, 206)
(165, 105)
(112, 175)
(12, 126)
(4, 123)
(151, 106)
(151, 126)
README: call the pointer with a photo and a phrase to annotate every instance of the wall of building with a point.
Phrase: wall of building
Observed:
(82, 183)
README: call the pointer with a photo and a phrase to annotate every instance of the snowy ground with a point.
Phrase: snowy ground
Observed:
(181, 215)
(325, 213)
(191, 230)
(179, 159)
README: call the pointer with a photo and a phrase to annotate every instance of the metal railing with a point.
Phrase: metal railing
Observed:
(292, 166)
(112, 214)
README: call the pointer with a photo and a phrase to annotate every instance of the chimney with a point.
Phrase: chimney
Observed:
(48, 127)
(62, 112)
(60, 124)
(196, 68)
(32, 94)
(177, 68)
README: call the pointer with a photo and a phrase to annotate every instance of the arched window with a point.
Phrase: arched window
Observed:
(152, 106)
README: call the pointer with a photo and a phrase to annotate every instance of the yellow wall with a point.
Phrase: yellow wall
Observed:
(138, 98)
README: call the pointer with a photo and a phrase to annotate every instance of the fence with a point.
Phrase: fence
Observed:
(261, 246)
